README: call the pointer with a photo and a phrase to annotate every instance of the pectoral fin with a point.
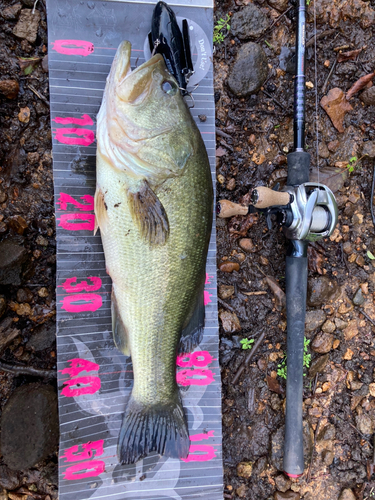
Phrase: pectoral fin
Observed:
(149, 214)
(120, 334)
(101, 216)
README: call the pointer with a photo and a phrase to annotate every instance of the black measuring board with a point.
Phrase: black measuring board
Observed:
(94, 378)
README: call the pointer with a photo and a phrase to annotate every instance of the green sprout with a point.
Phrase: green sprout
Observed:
(308, 2)
(268, 44)
(352, 164)
(221, 29)
(282, 368)
(247, 343)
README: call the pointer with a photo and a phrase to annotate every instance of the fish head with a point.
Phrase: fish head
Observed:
(151, 111)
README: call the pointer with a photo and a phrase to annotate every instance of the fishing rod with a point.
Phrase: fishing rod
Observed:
(307, 211)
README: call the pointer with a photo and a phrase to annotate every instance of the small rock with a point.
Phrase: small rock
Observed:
(228, 267)
(282, 483)
(279, 5)
(358, 298)
(43, 292)
(333, 146)
(314, 319)
(323, 150)
(371, 388)
(335, 344)
(340, 323)
(347, 247)
(231, 184)
(241, 491)
(12, 258)
(29, 426)
(24, 115)
(249, 71)
(360, 260)
(230, 322)
(226, 291)
(355, 385)
(368, 96)
(43, 242)
(351, 330)
(329, 326)
(364, 423)
(11, 13)
(43, 337)
(318, 365)
(9, 88)
(24, 295)
(322, 343)
(321, 290)
(245, 469)
(288, 495)
(18, 224)
(45, 69)
(9, 479)
(348, 354)
(23, 309)
(247, 245)
(369, 147)
(357, 219)
(249, 22)
(33, 158)
(27, 26)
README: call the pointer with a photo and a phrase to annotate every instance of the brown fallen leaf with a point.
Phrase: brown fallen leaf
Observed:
(315, 260)
(359, 85)
(221, 152)
(274, 386)
(28, 64)
(280, 298)
(239, 225)
(348, 56)
(336, 106)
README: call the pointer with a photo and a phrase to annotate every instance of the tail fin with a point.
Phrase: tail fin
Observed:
(161, 428)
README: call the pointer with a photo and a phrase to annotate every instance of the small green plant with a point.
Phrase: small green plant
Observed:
(221, 29)
(282, 368)
(352, 164)
(268, 44)
(247, 343)
(308, 2)
(370, 255)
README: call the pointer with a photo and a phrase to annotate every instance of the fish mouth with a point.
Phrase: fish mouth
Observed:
(133, 84)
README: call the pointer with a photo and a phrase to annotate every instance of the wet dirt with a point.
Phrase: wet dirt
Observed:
(255, 133)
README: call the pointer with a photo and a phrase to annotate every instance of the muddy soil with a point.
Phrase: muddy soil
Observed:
(254, 135)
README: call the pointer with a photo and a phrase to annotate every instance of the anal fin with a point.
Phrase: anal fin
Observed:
(149, 214)
(192, 332)
(120, 334)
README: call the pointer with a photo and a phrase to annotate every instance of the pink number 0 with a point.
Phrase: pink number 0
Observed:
(73, 47)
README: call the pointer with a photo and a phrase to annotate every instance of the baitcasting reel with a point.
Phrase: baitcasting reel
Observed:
(307, 212)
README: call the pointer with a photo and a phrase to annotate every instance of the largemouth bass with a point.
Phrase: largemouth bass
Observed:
(153, 204)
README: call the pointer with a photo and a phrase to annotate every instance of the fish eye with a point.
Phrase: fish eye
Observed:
(169, 87)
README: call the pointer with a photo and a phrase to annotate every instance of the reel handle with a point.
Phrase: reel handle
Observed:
(226, 208)
(264, 197)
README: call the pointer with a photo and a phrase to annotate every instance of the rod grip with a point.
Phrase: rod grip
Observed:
(296, 290)
(264, 197)
(226, 208)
